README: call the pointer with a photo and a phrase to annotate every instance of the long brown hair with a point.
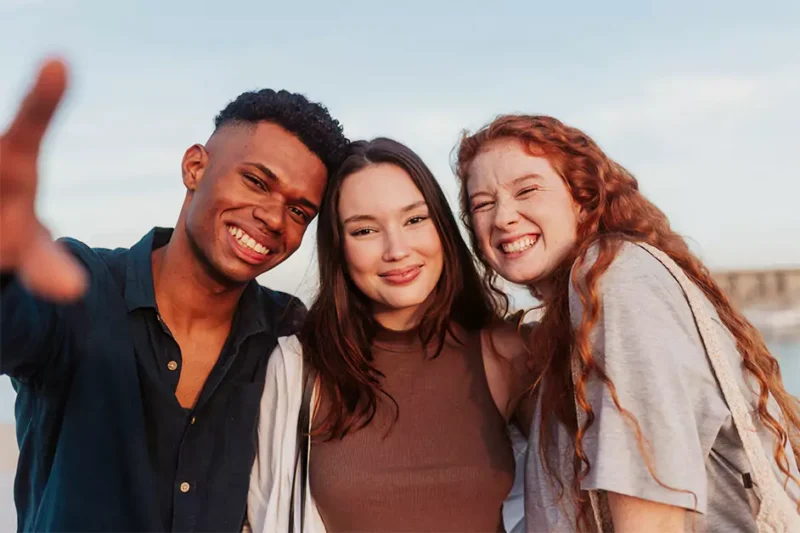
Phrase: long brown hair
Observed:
(613, 211)
(340, 326)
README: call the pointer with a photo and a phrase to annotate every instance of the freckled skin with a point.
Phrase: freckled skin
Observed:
(515, 194)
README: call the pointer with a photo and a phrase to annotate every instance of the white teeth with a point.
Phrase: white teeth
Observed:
(246, 240)
(521, 244)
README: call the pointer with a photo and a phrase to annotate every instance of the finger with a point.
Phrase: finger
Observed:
(24, 136)
(50, 271)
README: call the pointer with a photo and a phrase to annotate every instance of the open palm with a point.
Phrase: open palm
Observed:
(26, 248)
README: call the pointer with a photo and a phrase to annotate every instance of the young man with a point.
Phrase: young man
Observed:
(139, 371)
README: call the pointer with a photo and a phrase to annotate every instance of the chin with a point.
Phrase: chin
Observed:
(235, 273)
(405, 302)
(520, 276)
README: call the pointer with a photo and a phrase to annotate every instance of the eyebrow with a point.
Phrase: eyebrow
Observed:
(271, 176)
(520, 179)
(406, 209)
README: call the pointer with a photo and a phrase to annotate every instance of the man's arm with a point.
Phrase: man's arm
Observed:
(29, 331)
(36, 272)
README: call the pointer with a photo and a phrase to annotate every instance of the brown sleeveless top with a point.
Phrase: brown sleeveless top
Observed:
(446, 464)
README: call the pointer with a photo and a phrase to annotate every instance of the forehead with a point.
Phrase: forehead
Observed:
(271, 145)
(502, 161)
(378, 190)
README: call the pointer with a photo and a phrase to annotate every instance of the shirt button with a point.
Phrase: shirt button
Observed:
(172, 365)
(185, 487)
(193, 419)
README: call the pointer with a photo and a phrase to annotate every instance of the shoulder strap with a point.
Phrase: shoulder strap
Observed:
(740, 410)
(772, 494)
(774, 498)
(598, 500)
(302, 450)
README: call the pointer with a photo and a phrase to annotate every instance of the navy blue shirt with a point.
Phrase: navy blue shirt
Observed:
(104, 443)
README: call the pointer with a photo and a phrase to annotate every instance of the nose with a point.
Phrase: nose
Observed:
(505, 214)
(395, 246)
(272, 216)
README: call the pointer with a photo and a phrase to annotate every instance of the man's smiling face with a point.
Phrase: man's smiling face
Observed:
(252, 192)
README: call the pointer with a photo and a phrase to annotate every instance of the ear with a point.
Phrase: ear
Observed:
(579, 211)
(194, 165)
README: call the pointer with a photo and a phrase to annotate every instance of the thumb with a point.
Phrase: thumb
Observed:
(48, 270)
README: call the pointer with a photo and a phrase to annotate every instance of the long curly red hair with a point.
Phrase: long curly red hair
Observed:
(613, 211)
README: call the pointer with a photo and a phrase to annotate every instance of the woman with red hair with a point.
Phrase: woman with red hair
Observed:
(658, 405)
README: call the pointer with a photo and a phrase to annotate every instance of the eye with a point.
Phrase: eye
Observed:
(255, 181)
(360, 232)
(482, 205)
(527, 191)
(417, 219)
(300, 214)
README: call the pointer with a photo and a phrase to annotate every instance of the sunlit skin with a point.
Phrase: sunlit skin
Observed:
(392, 249)
(26, 248)
(522, 212)
(257, 178)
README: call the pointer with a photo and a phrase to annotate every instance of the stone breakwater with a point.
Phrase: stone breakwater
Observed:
(777, 325)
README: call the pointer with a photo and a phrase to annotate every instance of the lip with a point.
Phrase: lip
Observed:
(246, 254)
(401, 276)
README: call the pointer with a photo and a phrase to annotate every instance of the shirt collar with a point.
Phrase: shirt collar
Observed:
(139, 291)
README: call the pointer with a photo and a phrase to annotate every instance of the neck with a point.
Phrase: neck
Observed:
(399, 319)
(188, 297)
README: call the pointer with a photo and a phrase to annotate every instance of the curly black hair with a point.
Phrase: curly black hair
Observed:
(310, 121)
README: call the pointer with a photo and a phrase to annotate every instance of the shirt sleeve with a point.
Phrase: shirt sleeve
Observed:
(33, 331)
(28, 331)
(648, 345)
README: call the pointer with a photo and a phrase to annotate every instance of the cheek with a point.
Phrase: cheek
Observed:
(360, 259)
(562, 224)
(294, 235)
(481, 225)
(429, 245)
(433, 252)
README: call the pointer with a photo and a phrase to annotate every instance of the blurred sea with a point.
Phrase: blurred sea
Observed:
(788, 353)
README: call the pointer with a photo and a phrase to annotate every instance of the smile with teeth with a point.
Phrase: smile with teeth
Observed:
(246, 240)
(520, 245)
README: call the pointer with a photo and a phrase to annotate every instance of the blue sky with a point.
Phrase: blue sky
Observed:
(700, 102)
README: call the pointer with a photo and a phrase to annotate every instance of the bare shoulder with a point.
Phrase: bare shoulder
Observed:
(507, 340)
(505, 351)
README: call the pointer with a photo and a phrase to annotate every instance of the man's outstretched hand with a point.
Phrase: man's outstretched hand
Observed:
(26, 249)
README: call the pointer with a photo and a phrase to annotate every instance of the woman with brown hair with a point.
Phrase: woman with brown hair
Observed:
(658, 406)
(417, 377)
